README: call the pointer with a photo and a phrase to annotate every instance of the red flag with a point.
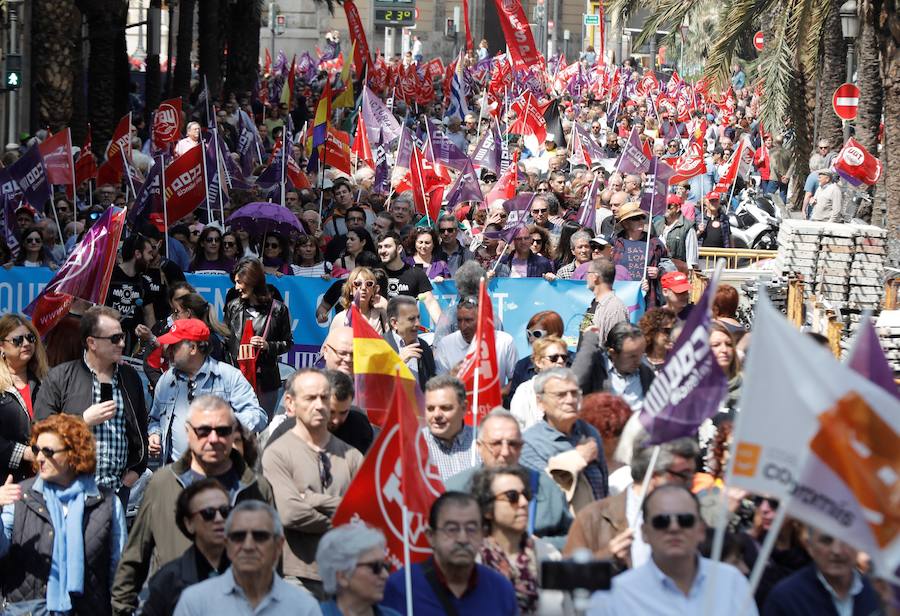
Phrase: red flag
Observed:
(109, 173)
(465, 9)
(57, 154)
(531, 119)
(396, 471)
(247, 355)
(85, 273)
(361, 53)
(427, 182)
(361, 146)
(519, 39)
(505, 188)
(121, 140)
(690, 164)
(483, 356)
(184, 188)
(167, 122)
(86, 165)
(337, 150)
(267, 66)
(856, 165)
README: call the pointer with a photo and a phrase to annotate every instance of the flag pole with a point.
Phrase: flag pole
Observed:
(284, 155)
(125, 167)
(58, 228)
(476, 387)
(407, 564)
(74, 187)
(219, 169)
(654, 455)
(209, 215)
(650, 217)
(481, 114)
(162, 194)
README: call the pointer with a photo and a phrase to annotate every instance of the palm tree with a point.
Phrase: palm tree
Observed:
(243, 46)
(181, 85)
(210, 43)
(56, 28)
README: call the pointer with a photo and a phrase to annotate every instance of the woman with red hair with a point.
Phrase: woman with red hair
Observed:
(62, 536)
(541, 324)
(609, 413)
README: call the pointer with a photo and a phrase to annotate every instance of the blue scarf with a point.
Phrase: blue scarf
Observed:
(67, 564)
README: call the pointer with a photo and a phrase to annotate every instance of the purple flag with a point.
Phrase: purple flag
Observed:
(378, 118)
(587, 213)
(653, 197)
(613, 115)
(234, 175)
(248, 147)
(29, 173)
(444, 151)
(8, 186)
(215, 196)
(9, 223)
(404, 148)
(280, 68)
(867, 358)
(594, 151)
(306, 66)
(632, 159)
(691, 386)
(465, 188)
(149, 198)
(488, 153)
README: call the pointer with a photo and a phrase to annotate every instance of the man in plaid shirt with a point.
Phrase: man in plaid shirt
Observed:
(451, 444)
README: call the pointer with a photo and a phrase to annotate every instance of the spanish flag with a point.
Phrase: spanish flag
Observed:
(376, 366)
(323, 116)
(346, 98)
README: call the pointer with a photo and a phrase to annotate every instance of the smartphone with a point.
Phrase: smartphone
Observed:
(106, 393)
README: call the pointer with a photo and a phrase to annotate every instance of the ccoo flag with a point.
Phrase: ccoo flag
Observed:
(691, 386)
(31, 176)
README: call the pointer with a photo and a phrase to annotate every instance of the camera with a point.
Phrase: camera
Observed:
(571, 575)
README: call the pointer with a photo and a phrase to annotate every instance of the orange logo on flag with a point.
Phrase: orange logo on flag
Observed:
(746, 459)
(864, 451)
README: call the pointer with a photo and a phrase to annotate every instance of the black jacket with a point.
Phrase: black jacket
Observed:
(15, 427)
(279, 336)
(166, 586)
(425, 364)
(68, 389)
(590, 367)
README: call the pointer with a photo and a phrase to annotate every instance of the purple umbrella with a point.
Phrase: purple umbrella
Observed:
(262, 217)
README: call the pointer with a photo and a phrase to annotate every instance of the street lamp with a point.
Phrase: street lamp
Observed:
(850, 30)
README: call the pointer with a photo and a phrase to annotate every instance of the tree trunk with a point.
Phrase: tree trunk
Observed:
(56, 34)
(153, 84)
(243, 47)
(871, 89)
(887, 32)
(107, 67)
(79, 118)
(800, 111)
(832, 73)
(182, 75)
(209, 43)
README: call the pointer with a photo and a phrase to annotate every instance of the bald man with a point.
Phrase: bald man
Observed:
(337, 350)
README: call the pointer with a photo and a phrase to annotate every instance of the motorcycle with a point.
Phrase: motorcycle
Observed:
(755, 221)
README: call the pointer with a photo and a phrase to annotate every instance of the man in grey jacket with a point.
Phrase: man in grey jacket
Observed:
(827, 200)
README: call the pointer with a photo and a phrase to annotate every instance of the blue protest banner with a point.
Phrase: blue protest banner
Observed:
(515, 301)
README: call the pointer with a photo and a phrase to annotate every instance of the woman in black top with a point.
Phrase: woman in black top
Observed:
(271, 323)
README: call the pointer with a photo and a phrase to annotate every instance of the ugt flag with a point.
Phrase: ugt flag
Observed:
(820, 437)
(482, 357)
(167, 123)
(85, 274)
(691, 386)
(856, 165)
(184, 187)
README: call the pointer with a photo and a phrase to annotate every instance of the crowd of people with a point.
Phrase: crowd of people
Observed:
(148, 472)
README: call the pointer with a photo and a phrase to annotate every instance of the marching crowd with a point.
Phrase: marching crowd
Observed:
(146, 471)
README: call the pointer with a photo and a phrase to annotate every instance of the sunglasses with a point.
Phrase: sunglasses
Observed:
(759, 500)
(205, 431)
(376, 567)
(512, 496)
(34, 240)
(325, 470)
(496, 446)
(192, 387)
(48, 453)
(369, 284)
(209, 513)
(268, 245)
(18, 341)
(115, 338)
(542, 210)
(448, 229)
(555, 358)
(536, 333)
(259, 536)
(664, 520)
(212, 239)
(230, 245)
(537, 240)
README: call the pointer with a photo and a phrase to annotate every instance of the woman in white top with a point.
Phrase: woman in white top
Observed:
(308, 259)
(362, 284)
(547, 352)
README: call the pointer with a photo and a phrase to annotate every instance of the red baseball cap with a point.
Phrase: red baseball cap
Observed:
(713, 196)
(675, 282)
(185, 329)
(674, 199)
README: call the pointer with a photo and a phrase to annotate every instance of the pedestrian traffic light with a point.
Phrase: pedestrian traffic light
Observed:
(12, 75)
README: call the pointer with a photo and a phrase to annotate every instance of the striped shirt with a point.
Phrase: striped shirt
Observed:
(452, 457)
(112, 443)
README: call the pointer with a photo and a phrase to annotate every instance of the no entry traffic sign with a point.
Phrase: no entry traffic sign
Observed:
(758, 41)
(846, 101)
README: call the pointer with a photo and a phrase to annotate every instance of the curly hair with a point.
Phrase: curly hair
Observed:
(547, 247)
(77, 438)
(653, 322)
(607, 412)
(483, 488)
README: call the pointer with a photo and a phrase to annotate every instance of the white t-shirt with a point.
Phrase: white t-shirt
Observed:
(452, 349)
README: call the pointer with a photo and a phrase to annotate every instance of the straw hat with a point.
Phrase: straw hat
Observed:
(630, 210)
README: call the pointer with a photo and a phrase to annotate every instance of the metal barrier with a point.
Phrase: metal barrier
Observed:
(735, 258)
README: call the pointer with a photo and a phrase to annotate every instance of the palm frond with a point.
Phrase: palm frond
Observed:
(777, 68)
(737, 19)
(670, 14)
(619, 9)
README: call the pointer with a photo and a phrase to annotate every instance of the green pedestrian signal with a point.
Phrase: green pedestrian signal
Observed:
(13, 72)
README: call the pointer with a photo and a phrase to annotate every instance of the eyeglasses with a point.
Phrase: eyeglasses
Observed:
(259, 536)
(512, 496)
(556, 358)
(209, 513)
(358, 284)
(270, 245)
(497, 446)
(448, 230)
(213, 239)
(18, 341)
(560, 395)
(325, 477)
(48, 453)
(453, 530)
(537, 240)
(229, 244)
(376, 567)
(536, 333)
(664, 520)
(34, 240)
(541, 210)
(115, 338)
(205, 431)
(345, 355)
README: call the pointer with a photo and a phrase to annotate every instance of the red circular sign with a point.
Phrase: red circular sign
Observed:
(846, 101)
(758, 41)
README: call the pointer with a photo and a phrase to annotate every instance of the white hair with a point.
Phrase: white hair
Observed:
(340, 548)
